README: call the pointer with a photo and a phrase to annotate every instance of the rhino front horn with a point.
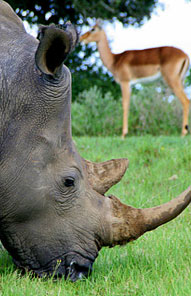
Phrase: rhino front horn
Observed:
(129, 223)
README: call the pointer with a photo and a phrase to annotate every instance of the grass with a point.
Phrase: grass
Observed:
(158, 263)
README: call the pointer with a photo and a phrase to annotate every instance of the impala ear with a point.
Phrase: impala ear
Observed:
(56, 42)
(104, 175)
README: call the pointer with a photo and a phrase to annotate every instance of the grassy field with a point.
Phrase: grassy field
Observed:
(158, 263)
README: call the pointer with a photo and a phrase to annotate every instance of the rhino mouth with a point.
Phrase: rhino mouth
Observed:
(72, 266)
(77, 266)
(77, 271)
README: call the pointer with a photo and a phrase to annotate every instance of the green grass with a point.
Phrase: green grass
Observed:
(158, 263)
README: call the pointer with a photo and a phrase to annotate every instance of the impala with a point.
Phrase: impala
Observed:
(133, 65)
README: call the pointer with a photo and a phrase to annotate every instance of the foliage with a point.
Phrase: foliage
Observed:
(86, 79)
(159, 262)
(79, 13)
(98, 114)
(188, 78)
(151, 112)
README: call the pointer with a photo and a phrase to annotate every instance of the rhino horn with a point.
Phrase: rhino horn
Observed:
(129, 223)
(104, 175)
(56, 42)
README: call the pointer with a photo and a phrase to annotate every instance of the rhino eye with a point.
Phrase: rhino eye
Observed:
(68, 182)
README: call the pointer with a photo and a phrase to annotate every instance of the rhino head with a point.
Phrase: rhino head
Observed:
(54, 216)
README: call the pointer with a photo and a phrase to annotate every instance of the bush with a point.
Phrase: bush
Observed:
(96, 115)
(84, 80)
(150, 113)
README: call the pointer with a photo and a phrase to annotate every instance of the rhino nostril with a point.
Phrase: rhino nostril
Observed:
(76, 271)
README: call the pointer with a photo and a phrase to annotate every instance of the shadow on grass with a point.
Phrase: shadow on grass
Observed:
(6, 263)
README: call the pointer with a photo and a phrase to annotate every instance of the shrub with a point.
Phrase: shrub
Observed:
(95, 115)
(150, 113)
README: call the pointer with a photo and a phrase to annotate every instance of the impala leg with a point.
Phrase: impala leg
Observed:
(178, 90)
(126, 92)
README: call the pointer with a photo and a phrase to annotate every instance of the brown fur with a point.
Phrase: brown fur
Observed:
(172, 63)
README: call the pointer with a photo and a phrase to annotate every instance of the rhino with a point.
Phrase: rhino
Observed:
(54, 214)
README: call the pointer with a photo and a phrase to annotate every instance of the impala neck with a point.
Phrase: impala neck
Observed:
(106, 55)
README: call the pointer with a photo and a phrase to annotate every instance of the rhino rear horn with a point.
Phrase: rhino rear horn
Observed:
(56, 42)
(104, 175)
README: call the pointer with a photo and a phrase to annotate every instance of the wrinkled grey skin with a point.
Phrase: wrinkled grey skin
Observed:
(43, 217)
(54, 217)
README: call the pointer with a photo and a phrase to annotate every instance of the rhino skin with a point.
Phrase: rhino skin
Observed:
(54, 216)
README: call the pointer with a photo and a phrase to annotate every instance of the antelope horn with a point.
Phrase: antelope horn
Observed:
(104, 175)
(129, 223)
(99, 23)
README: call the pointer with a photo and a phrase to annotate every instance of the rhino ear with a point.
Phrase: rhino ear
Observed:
(56, 42)
(104, 175)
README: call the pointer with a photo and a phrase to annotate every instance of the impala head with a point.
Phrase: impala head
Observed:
(93, 35)
(54, 216)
